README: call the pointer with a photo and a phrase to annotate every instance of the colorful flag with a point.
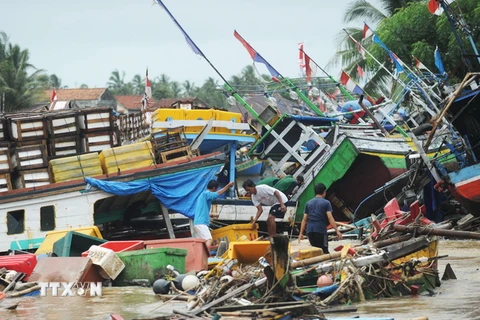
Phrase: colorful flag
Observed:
(148, 86)
(350, 84)
(301, 58)
(309, 68)
(359, 71)
(435, 8)
(419, 64)
(367, 32)
(192, 45)
(393, 56)
(255, 55)
(148, 92)
(438, 61)
(359, 46)
(54, 95)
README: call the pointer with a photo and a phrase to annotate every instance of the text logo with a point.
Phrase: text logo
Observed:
(70, 289)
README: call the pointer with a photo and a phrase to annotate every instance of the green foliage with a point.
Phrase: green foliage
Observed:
(19, 88)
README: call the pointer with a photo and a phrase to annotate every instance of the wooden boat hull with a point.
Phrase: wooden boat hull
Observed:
(253, 167)
(465, 186)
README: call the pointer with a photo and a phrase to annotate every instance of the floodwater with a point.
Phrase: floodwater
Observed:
(454, 299)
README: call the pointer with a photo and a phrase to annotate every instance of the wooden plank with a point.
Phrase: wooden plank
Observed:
(32, 178)
(30, 157)
(176, 154)
(168, 222)
(5, 182)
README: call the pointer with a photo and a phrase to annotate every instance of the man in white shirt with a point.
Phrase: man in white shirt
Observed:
(267, 196)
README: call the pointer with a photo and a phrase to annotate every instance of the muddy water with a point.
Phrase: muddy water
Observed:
(454, 299)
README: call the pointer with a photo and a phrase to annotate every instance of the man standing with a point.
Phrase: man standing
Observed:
(267, 196)
(317, 216)
(201, 221)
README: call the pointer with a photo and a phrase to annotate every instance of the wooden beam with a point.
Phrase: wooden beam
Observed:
(168, 222)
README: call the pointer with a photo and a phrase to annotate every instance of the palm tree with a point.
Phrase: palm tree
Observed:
(359, 10)
(176, 89)
(211, 95)
(20, 89)
(55, 81)
(188, 88)
(138, 84)
(117, 83)
(348, 54)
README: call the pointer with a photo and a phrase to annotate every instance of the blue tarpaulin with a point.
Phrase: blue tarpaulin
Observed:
(176, 191)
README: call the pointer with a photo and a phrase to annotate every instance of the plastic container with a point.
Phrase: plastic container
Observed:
(120, 246)
(75, 167)
(149, 264)
(20, 262)
(233, 233)
(74, 243)
(107, 260)
(168, 114)
(247, 252)
(198, 115)
(227, 116)
(53, 236)
(128, 157)
(197, 252)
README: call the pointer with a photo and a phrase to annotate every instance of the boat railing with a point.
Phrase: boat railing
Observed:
(233, 126)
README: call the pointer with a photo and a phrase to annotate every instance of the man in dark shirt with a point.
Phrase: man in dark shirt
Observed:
(317, 216)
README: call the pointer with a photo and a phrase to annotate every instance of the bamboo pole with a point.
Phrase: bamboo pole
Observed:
(313, 260)
(437, 232)
(465, 82)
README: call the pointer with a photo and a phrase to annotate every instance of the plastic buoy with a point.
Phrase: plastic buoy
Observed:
(190, 282)
(324, 281)
(161, 286)
(2, 295)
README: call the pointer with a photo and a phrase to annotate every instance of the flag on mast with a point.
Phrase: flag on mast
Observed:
(256, 57)
(148, 92)
(308, 68)
(350, 84)
(438, 61)
(367, 32)
(148, 86)
(190, 42)
(54, 95)
(359, 71)
(419, 64)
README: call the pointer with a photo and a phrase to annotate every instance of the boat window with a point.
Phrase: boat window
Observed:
(47, 218)
(16, 222)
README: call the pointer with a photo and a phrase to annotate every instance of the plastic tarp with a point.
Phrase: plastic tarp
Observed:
(176, 191)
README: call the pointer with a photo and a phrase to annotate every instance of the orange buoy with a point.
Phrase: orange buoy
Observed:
(2, 295)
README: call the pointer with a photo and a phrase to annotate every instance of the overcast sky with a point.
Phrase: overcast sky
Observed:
(84, 41)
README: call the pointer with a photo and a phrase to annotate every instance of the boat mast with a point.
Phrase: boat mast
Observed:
(459, 22)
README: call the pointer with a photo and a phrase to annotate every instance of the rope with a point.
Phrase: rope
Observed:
(81, 167)
(151, 154)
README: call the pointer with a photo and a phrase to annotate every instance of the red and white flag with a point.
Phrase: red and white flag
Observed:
(367, 32)
(148, 92)
(54, 95)
(359, 71)
(308, 68)
(148, 87)
(419, 64)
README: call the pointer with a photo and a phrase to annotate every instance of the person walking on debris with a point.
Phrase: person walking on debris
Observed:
(267, 196)
(317, 216)
(201, 221)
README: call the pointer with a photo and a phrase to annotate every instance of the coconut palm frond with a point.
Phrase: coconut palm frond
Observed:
(360, 10)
